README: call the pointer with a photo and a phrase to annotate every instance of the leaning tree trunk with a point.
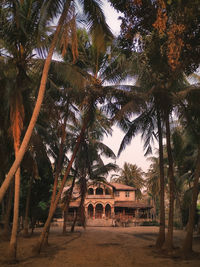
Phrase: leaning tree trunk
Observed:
(39, 244)
(67, 205)
(38, 104)
(57, 172)
(28, 198)
(187, 243)
(161, 236)
(169, 237)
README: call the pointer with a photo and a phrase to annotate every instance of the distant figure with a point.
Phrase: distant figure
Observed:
(113, 222)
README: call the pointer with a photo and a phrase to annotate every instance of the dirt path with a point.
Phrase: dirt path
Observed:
(99, 247)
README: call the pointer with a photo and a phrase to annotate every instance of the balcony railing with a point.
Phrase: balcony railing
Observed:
(99, 196)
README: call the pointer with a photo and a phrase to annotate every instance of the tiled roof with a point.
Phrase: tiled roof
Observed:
(131, 204)
(118, 186)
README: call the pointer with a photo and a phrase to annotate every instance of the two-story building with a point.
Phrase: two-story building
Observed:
(108, 201)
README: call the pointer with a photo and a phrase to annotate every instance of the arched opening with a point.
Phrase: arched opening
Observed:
(99, 211)
(108, 211)
(99, 191)
(107, 191)
(90, 191)
(90, 211)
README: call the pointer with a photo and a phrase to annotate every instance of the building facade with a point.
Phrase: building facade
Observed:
(105, 202)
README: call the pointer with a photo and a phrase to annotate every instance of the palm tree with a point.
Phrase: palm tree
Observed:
(97, 23)
(20, 36)
(132, 175)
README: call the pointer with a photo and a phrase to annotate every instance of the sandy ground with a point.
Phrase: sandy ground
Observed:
(99, 247)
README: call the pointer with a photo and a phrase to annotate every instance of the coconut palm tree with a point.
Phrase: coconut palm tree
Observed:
(96, 20)
(132, 175)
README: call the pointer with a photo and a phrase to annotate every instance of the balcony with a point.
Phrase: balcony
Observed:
(99, 197)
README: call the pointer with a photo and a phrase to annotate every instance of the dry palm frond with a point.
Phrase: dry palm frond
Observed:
(69, 35)
(16, 117)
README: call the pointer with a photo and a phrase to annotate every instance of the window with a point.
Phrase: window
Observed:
(117, 193)
(99, 191)
(90, 191)
(127, 194)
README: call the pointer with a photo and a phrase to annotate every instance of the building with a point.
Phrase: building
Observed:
(105, 202)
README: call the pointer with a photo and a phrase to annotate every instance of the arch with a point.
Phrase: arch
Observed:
(108, 211)
(90, 191)
(90, 210)
(99, 191)
(99, 211)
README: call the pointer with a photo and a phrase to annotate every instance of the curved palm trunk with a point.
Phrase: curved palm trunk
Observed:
(169, 237)
(50, 216)
(26, 219)
(161, 236)
(38, 104)
(187, 244)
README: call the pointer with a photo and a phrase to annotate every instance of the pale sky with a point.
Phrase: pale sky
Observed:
(134, 152)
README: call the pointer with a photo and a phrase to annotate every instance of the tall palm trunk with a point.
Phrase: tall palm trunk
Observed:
(13, 240)
(38, 104)
(187, 243)
(169, 237)
(28, 198)
(16, 115)
(161, 236)
(50, 216)
(67, 205)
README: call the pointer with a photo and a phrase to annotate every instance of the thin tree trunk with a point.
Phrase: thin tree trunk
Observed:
(81, 209)
(74, 222)
(83, 193)
(67, 205)
(38, 104)
(169, 237)
(50, 216)
(161, 236)
(187, 243)
(13, 240)
(6, 230)
(57, 172)
(26, 219)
